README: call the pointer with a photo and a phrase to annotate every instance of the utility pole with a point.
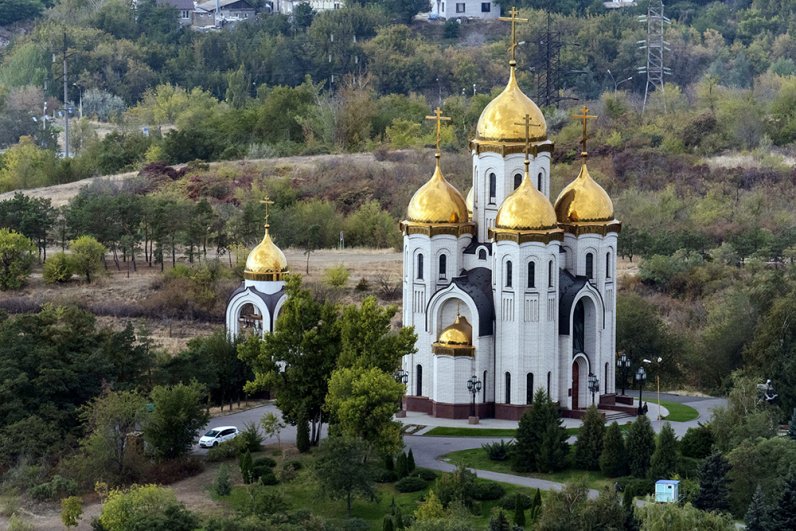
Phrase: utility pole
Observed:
(655, 46)
(66, 103)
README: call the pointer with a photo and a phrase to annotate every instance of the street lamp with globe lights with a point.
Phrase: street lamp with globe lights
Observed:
(624, 364)
(402, 377)
(474, 386)
(594, 386)
(641, 375)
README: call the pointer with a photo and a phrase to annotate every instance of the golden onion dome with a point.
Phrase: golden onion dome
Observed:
(459, 333)
(437, 201)
(470, 201)
(500, 121)
(583, 200)
(526, 208)
(266, 261)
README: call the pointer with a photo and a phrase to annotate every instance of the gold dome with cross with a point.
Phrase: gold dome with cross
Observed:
(266, 261)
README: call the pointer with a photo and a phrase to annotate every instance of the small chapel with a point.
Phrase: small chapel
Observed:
(506, 288)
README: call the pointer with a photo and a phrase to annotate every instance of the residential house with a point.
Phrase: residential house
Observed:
(464, 9)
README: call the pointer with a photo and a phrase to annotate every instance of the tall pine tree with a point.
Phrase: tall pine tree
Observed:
(541, 440)
(613, 461)
(783, 515)
(713, 493)
(589, 445)
(757, 515)
(640, 445)
(664, 459)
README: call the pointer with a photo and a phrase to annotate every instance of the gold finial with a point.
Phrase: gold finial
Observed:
(514, 19)
(439, 119)
(267, 201)
(584, 117)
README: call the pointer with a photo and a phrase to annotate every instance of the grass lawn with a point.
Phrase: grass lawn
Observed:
(477, 458)
(677, 412)
(303, 492)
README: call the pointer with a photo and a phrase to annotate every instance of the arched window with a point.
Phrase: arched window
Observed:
(529, 388)
(550, 274)
(605, 378)
(549, 376)
(419, 380)
(517, 180)
(482, 254)
(420, 266)
(508, 388)
(589, 266)
(443, 266)
(539, 181)
(531, 274)
(483, 387)
(492, 188)
(508, 274)
(607, 265)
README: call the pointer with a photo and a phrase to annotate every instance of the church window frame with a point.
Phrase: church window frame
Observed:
(492, 188)
(590, 266)
(550, 274)
(482, 254)
(443, 266)
(531, 275)
(419, 272)
(508, 387)
(549, 379)
(483, 387)
(529, 388)
(517, 180)
(608, 264)
(419, 380)
(540, 182)
(509, 273)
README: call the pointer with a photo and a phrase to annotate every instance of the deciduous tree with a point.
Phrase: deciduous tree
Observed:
(87, 256)
(341, 470)
(178, 414)
(16, 259)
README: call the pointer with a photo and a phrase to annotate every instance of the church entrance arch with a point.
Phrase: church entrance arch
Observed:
(580, 369)
(250, 320)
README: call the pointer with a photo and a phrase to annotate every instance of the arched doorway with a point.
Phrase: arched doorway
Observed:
(580, 369)
(250, 321)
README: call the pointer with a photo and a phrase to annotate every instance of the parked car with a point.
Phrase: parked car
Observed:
(215, 436)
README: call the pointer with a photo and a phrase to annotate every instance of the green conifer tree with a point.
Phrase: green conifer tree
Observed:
(541, 440)
(554, 450)
(589, 445)
(757, 516)
(388, 525)
(713, 493)
(410, 462)
(302, 436)
(792, 425)
(664, 459)
(499, 522)
(640, 445)
(613, 461)
(783, 515)
(519, 512)
(246, 465)
(401, 466)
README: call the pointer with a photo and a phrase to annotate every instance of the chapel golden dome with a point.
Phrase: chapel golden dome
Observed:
(470, 201)
(498, 121)
(583, 201)
(437, 201)
(526, 209)
(455, 340)
(266, 261)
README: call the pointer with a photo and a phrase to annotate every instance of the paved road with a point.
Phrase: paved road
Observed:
(429, 450)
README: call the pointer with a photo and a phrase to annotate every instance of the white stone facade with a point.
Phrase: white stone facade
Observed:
(254, 307)
(465, 9)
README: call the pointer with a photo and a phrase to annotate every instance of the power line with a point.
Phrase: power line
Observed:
(655, 45)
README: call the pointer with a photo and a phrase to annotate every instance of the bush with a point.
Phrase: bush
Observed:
(697, 442)
(509, 502)
(222, 485)
(55, 489)
(249, 439)
(287, 473)
(488, 490)
(688, 467)
(57, 269)
(295, 465)
(258, 471)
(262, 502)
(458, 485)
(264, 461)
(384, 476)
(268, 477)
(498, 451)
(423, 473)
(171, 470)
(410, 484)
(222, 452)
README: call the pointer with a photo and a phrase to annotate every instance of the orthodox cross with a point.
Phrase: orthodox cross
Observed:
(514, 19)
(267, 202)
(526, 122)
(584, 117)
(439, 119)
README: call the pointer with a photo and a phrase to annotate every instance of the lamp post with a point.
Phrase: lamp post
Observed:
(657, 361)
(594, 386)
(474, 386)
(617, 83)
(624, 364)
(641, 375)
(402, 377)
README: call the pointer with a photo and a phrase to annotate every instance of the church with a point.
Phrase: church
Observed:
(506, 287)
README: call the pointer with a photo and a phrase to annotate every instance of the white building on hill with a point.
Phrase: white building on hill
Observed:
(465, 9)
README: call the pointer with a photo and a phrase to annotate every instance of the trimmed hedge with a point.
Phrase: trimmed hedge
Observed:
(488, 490)
(410, 484)
(424, 473)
